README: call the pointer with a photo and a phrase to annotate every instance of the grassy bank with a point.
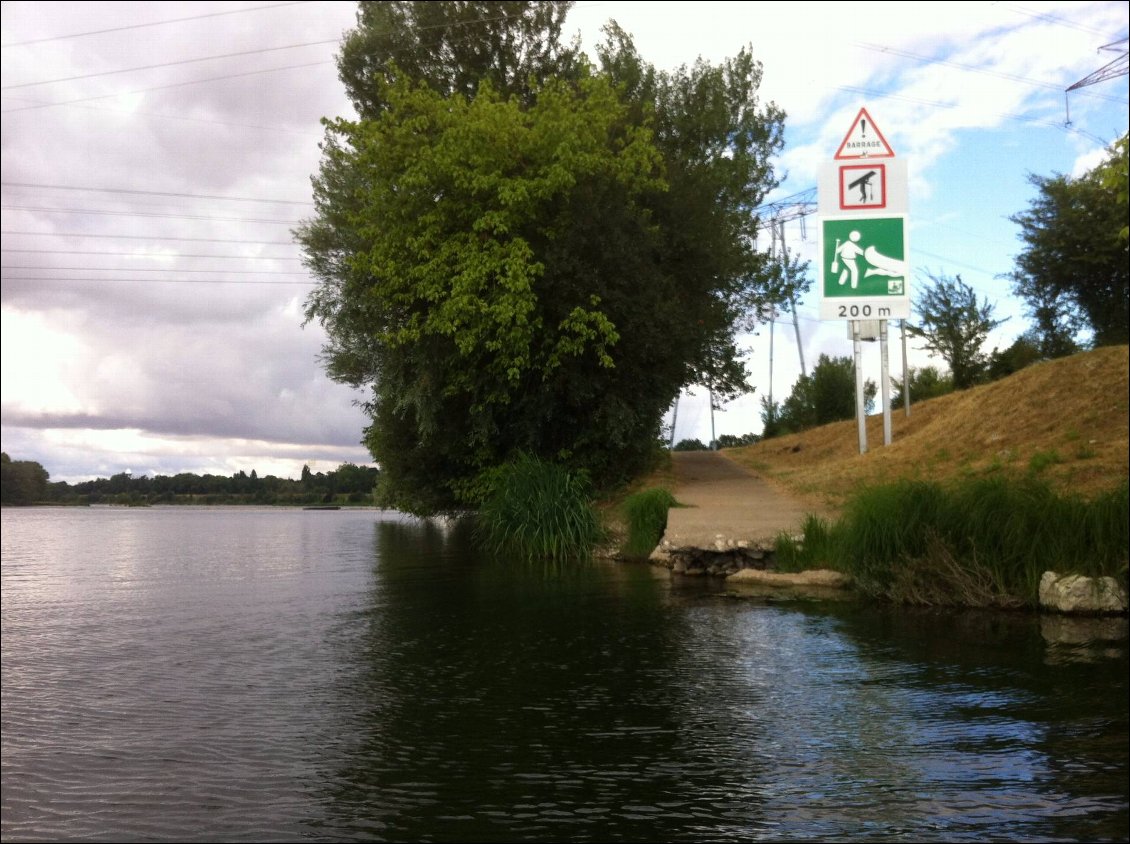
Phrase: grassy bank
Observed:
(980, 492)
(1066, 422)
(974, 542)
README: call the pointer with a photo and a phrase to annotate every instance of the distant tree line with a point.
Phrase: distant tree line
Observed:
(21, 481)
(27, 482)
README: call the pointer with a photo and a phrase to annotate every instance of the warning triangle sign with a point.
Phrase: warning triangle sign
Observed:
(864, 140)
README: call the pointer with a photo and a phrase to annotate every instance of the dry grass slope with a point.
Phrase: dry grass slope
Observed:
(1067, 421)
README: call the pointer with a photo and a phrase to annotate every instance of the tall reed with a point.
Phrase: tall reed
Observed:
(538, 510)
(980, 541)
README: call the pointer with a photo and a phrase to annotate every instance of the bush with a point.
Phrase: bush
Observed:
(537, 510)
(646, 515)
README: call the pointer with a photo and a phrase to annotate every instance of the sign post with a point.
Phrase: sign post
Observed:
(864, 247)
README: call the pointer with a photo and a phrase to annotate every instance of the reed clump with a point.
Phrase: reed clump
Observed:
(645, 514)
(538, 510)
(973, 542)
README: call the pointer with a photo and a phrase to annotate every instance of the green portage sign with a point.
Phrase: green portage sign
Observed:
(864, 270)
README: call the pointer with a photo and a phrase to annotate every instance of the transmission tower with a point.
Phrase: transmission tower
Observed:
(776, 214)
(1120, 66)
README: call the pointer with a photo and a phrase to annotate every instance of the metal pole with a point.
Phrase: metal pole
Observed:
(772, 322)
(710, 395)
(675, 419)
(886, 380)
(796, 327)
(905, 374)
(860, 409)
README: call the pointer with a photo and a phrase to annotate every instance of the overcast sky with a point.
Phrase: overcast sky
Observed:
(156, 157)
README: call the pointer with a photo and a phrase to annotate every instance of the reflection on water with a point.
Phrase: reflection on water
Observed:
(276, 674)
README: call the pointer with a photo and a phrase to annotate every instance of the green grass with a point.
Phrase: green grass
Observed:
(538, 510)
(645, 513)
(977, 542)
(1042, 460)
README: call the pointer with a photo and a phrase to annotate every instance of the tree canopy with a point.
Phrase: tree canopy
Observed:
(521, 253)
(954, 325)
(1073, 272)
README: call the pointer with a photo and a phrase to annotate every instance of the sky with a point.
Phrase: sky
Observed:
(157, 157)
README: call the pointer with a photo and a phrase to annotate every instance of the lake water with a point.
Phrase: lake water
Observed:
(232, 674)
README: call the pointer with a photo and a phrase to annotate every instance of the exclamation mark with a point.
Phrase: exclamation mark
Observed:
(863, 126)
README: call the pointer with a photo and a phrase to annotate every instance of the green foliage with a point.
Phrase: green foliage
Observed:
(1074, 272)
(513, 45)
(954, 325)
(925, 383)
(22, 481)
(537, 510)
(1041, 460)
(519, 253)
(646, 515)
(737, 441)
(1024, 351)
(694, 444)
(812, 549)
(981, 541)
(826, 395)
(1114, 175)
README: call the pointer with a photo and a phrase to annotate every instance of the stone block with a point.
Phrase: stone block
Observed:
(1074, 593)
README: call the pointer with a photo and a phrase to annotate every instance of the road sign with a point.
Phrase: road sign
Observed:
(871, 181)
(864, 140)
(864, 187)
(864, 268)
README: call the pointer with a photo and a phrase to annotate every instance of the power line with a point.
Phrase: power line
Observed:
(139, 113)
(167, 87)
(154, 237)
(162, 280)
(935, 104)
(144, 214)
(144, 25)
(141, 255)
(154, 193)
(1053, 19)
(1052, 86)
(143, 270)
(451, 24)
(171, 64)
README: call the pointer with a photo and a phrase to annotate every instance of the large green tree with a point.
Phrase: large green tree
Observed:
(954, 325)
(452, 47)
(1074, 272)
(520, 253)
